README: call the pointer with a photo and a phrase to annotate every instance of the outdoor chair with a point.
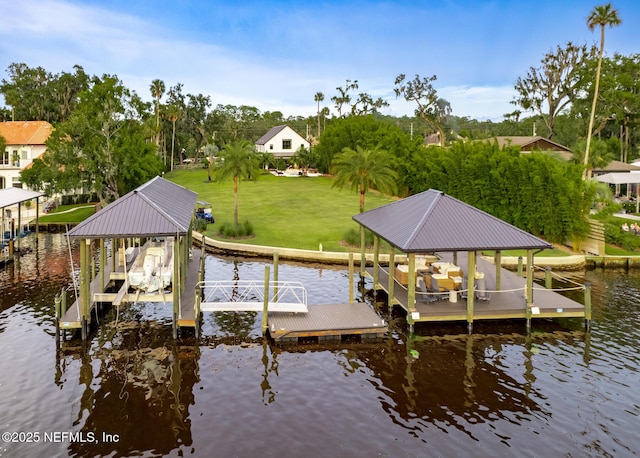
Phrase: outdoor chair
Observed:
(423, 294)
(481, 292)
(435, 289)
(464, 289)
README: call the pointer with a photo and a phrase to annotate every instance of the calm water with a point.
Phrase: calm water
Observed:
(133, 391)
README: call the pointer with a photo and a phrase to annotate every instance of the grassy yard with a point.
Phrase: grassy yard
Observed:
(295, 212)
(68, 214)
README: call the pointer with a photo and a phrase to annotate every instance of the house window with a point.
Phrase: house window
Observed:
(271, 146)
(23, 153)
(286, 144)
(16, 182)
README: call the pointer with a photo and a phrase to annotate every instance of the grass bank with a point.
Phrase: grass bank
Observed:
(294, 212)
(68, 214)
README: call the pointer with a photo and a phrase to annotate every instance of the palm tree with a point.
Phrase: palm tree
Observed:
(319, 97)
(364, 169)
(603, 15)
(173, 113)
(157, 91)
(239, 161)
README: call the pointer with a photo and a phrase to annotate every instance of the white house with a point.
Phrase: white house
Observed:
(281, 141)
(25, 141)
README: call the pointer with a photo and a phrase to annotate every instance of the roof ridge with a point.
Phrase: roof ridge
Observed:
(425, 216)
(160, 210)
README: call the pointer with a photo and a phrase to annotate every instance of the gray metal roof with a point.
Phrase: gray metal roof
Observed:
(157, 208)
(12, 196)
(270, 134)
(433, 221)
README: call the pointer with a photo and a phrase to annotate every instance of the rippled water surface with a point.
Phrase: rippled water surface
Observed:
(133, 390)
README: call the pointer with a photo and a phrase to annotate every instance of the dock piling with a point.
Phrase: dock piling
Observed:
(265, 305)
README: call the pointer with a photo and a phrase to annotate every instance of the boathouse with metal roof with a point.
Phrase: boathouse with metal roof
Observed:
(159, 209)
(432, 223)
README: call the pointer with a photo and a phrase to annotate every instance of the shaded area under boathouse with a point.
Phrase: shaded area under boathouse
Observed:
(10, 233)
(443, 278)
(150, 239)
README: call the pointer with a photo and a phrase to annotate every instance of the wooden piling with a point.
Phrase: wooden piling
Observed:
(351, 273)
(587, 306)
(548, 278)
(265, 304)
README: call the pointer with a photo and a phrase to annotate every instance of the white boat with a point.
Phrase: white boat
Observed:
(153, 268)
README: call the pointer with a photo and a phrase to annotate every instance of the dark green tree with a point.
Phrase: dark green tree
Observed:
(102, 147)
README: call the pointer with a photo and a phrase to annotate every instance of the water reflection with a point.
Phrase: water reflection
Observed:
(232, 393)
(138, 391)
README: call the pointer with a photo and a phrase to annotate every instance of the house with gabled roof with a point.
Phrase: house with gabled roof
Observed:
(25, 141)
(281, 141)
(529, 144)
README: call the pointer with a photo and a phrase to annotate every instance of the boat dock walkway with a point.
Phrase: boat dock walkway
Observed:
(508, 303)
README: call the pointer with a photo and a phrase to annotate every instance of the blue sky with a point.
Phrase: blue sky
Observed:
(275, 55)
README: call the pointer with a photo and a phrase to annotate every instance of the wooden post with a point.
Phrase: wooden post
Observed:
(455, 258)
(548, 278)
(520, 266)
(471, 279)
(57, 309)
(197, 312)
(63, 302)
(587, 306)
(276, 261)
(103, 263)
(85, 291)
(376, 262)
(177, 263)
(498, 262)
(265, 304)
(529, 287)
(363, 249)
(392, 267)
(351, 274)
(411, 284)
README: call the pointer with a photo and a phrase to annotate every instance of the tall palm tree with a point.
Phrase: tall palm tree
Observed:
(173, 114)
(319, 97)
(364, 169)
(603, 15)
(239, 161)
(157, 91)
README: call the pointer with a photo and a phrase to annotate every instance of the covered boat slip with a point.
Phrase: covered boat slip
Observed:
(509, 302)
(158, 213)
(109, 277)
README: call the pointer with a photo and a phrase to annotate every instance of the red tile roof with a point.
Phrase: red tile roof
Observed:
(25, 132)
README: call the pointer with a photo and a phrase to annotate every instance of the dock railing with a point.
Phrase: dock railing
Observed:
(249, 295)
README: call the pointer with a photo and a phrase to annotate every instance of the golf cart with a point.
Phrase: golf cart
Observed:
(204, 211)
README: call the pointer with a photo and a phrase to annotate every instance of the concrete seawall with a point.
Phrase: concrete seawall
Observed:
(567, 263)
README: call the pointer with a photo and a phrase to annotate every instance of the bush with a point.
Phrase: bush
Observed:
(230, 231)
(352, 237)
(200, 224)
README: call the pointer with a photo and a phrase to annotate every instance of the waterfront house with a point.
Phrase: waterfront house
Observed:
(25, 141)
(282, 142)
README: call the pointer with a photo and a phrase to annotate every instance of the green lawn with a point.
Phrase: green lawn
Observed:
(294, 212)
(68, 214)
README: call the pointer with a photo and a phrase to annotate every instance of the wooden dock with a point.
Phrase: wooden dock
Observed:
(327, 322)
(509, 303)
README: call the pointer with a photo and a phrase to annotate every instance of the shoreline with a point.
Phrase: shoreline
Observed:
(571, 262)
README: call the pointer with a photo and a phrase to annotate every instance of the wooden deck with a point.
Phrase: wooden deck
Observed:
(327, 322)
(187, 317)
(509, 303)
